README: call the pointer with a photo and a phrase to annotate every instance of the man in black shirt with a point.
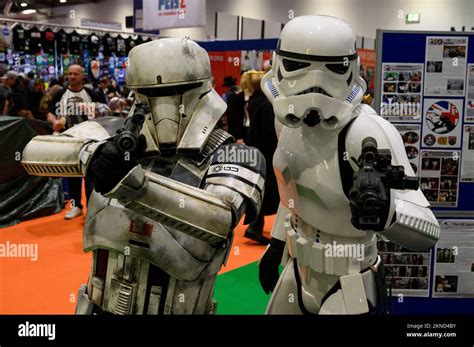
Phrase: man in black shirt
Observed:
(69, 107)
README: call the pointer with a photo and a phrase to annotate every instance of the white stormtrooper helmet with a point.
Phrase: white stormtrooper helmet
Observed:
(173, 77)
(315, 76)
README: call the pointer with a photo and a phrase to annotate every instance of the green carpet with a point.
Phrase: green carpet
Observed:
(239, 292)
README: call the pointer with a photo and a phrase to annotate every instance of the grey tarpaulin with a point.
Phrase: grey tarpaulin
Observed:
(22, 196)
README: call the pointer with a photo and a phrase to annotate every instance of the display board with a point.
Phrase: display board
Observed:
(425, 87)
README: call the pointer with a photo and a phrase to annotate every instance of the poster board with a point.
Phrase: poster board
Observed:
(425, 87)
(425, 81)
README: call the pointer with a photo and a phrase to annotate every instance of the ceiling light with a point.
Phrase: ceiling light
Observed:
(30, 11)
(23, 4)
(62, 1)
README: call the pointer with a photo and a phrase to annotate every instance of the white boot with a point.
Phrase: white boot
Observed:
(73, 213)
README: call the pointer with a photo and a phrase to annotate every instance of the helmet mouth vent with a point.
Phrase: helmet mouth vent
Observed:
(312, 118)
(331, 121)
(315, 90)
(292, 120)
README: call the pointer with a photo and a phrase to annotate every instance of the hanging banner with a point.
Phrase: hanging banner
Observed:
(161, 14)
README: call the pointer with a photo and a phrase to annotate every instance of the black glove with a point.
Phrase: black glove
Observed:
(268, 269)
(110, 165)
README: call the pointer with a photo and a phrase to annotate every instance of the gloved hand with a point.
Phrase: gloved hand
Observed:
(268, 268)
(110, 165)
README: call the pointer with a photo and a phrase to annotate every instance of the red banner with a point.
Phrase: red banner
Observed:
(367, 67)
(224, 64)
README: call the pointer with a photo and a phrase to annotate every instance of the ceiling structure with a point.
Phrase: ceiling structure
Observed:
(40, 4)
(48, 3)
(16, 8)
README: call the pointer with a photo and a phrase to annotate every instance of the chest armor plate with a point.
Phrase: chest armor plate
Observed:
(306, 165)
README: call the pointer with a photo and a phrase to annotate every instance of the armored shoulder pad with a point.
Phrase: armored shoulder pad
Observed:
(242, 169)
(217, 138)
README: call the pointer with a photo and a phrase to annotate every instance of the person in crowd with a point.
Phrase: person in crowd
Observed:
(61, 80)
(20, 95)
(262, 135)
(118, 107)
(34, 99)
(232, 89)
(6, 101)
(53, 88)
(30, 81)
(69, 107)
(238, 119)
(102, 88)
(113, 89)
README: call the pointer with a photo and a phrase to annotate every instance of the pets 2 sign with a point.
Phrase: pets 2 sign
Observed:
(161, 14)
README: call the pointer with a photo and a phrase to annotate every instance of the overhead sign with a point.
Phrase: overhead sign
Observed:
(161, 14)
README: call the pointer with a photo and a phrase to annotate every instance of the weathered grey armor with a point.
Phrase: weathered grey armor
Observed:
(161, 235)
(152, 261)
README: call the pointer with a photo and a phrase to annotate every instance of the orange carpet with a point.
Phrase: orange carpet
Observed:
(49, 285)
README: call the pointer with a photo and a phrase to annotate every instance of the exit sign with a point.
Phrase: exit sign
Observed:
(412, 18)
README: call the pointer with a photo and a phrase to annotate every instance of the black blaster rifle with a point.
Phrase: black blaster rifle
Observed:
(127, 139)
(370, 193)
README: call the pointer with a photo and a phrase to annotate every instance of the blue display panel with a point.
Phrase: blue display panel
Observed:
(410, 48)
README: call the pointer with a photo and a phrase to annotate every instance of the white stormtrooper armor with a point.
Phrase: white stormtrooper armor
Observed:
(316, 91)
(160, 236)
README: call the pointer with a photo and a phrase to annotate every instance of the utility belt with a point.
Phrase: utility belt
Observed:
(321, 257)
(313, 259)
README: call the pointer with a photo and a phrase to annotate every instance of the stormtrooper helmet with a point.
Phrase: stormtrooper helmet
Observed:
(173, 77)
(315, 76)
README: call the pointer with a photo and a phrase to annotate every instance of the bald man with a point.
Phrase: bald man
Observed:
(72, 106)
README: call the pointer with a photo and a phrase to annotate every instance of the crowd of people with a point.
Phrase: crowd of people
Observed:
(65, 102)
(28, 95)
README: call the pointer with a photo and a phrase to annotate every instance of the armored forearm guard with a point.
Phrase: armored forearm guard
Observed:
(69, 154)
(191, 210)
